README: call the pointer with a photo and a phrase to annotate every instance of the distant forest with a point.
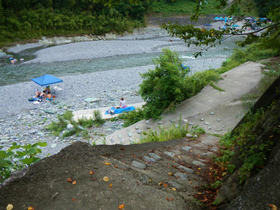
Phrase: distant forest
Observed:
(28, 19)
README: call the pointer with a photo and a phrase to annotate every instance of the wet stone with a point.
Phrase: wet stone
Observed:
(186, 169)
(148, 159)
(187, 148)
(137, 164)
(175, 184)
(181, 175)
(189, 135)
(155, 156)
(198, 163)
(170, 154)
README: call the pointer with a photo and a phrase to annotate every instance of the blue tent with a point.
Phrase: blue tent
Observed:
(46, 80)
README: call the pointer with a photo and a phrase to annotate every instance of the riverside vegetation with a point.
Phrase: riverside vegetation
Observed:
(27, 20)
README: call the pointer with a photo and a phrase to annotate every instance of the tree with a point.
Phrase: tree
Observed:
(163, 85)
(196, 36)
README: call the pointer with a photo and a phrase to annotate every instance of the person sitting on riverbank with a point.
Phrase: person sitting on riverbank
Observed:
(122, 103)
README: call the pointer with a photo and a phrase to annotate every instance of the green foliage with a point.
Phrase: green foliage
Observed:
(252, 154)
(98, 118)
(18, 157)
(194, 83)
(175, 7)
(132, 117)
(86, 123)
(195, 130)
(163, 85)
(216, 87)
(68, 17)
(166, 134)
(57, 127)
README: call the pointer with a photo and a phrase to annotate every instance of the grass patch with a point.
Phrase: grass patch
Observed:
(166, 134)
(195, 130)
(66, 126)
(216, 87)
(98, 121)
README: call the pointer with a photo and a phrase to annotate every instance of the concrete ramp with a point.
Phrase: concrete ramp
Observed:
(216, 111)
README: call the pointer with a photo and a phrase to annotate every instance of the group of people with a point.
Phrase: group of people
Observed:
(12, 60)
(45, 94)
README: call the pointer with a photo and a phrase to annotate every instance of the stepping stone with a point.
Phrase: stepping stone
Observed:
(198, 163)
(186, 169)
(155, 156)
(137, 164)
(186, 148)
(180, 175)
(148, 159)
(175, 184)
(170, 154)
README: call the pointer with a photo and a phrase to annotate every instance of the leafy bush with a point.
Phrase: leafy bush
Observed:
(132, 117)
(163, 85)
(18, 157)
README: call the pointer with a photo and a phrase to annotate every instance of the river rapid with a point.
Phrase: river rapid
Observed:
(95, 74)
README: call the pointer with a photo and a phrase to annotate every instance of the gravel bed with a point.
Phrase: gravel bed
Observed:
(24, 122)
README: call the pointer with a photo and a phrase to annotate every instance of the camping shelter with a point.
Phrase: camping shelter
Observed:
(46, 80)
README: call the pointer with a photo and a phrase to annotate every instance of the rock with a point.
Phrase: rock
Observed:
(136, 128)
(139, 131)
(202, 119)
(186, 120)
(180, 175)
(189, 135)
(70, 126)
(212, 113)
(175, 184)
(138, 164)
(198, 163)
(170, 154)
(148, 159)
(53, 145)
(129, 134)
(218, 120)
(147, 121)
(92, 100)
(155, 156)
(185, 169)
(187, 148)
(195, 136)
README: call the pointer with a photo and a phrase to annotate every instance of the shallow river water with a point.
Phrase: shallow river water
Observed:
(135, 50)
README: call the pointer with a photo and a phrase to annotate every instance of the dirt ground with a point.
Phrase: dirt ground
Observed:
(47, 184)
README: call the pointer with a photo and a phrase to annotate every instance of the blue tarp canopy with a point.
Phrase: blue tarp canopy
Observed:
(46, 80)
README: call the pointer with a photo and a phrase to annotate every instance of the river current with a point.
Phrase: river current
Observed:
(132, 50)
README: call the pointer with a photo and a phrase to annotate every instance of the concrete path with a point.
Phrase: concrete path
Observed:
(216, 111)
